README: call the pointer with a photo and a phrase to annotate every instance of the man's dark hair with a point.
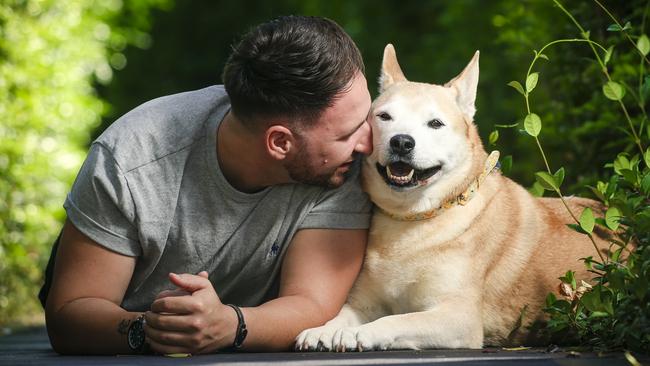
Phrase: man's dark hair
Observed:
(292, 67)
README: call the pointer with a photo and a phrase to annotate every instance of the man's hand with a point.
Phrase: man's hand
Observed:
(190, 319)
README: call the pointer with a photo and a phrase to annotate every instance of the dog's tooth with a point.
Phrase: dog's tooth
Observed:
(410, 175)
(388, 172)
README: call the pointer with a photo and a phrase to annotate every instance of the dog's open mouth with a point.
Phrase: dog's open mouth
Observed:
(403, 175)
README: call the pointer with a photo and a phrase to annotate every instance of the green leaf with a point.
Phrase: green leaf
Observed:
(630, 176)
(559, 176)
(536, 189)
(506, 164)
(612, 217)
(606, 299)
(608, 54)
(586, 34)
(602, 186)
(643, 44)
(645, 184)
(531, 81)
(587, 220)
(621, 163)
(614, 28)
(646, 158)
(576, 228)
(550, 299)
(517, 85)
(494, 136)
(562, 306)
(569, 278)
(541, 55)
(615, 257)
(613, 90)
(617, 28)
(546, 180)
(598, 314)
(597, 193)
(533, 124)
(591, 300)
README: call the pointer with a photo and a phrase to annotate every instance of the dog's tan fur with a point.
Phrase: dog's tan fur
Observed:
(462, 278)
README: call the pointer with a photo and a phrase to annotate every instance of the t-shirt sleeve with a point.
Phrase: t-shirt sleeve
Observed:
(100, 203)
(345, 207)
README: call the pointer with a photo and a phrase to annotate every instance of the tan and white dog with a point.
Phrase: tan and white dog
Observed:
(458, 255)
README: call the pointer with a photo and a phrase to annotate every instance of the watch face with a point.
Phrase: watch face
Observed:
(135, 336)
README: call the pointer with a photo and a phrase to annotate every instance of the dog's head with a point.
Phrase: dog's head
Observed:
(426, 146)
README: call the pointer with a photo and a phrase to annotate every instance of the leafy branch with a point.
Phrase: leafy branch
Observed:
(533, 126)
(611, 89)
(610, 313)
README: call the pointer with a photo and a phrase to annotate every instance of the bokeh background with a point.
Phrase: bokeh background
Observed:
(69, 68)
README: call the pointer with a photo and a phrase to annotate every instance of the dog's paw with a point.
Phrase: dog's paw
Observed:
(315, 339)
(362, 338)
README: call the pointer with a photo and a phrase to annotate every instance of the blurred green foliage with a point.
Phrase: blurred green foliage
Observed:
(51, 54)
(612, 310)
(69, 68)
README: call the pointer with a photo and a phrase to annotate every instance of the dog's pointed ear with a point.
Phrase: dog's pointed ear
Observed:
(390, 70)
(465, 84)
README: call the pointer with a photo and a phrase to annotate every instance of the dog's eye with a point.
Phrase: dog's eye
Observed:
(384, 116)
(435, 123)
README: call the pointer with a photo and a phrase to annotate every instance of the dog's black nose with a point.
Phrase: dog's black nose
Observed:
(402, 144)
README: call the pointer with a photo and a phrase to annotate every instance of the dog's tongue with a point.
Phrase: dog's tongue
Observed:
(400, 169)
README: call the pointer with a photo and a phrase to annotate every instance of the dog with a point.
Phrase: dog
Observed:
(458, 256)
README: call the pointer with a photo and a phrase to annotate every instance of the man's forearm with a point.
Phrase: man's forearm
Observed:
(273, 326)
(89, 326)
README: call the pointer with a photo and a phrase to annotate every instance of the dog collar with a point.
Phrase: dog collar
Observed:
(491, 164)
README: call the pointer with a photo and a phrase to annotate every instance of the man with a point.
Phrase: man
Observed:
(197, 201)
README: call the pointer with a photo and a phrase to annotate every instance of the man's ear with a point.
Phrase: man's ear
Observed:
(390, 70)
(465, 85)
(279, 141)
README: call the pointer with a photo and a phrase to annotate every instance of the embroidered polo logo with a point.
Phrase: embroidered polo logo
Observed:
(275, 250)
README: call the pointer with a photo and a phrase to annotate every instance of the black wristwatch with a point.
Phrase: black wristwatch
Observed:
(135, 336)
(242, 332)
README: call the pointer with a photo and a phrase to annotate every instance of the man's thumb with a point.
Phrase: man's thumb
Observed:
(189, 282)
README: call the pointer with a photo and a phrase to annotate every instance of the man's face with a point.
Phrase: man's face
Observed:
(326, 151)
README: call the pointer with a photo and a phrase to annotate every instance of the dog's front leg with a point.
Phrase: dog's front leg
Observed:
(320, 338)
(447, 326)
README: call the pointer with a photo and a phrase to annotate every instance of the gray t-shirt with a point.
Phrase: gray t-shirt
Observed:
(151, 187)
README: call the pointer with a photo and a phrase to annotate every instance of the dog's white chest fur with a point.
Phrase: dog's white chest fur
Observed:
(409, 269)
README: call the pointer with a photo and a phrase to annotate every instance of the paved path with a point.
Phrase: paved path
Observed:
(31, 347)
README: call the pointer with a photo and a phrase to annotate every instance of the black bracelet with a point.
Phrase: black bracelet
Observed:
(241, 328)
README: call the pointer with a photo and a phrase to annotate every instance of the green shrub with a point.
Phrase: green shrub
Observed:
(614, 312)
(51, 54)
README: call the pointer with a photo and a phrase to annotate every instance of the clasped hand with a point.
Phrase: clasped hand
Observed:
(189, 319)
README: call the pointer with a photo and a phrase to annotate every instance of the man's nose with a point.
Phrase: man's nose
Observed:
(364, 145)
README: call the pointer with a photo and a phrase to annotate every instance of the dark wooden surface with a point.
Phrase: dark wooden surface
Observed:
(32, 347)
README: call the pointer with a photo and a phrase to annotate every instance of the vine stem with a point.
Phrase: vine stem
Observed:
(539, 145)
(603, 68)
(624, 32)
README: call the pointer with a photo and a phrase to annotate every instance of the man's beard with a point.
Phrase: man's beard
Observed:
(301, 170)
